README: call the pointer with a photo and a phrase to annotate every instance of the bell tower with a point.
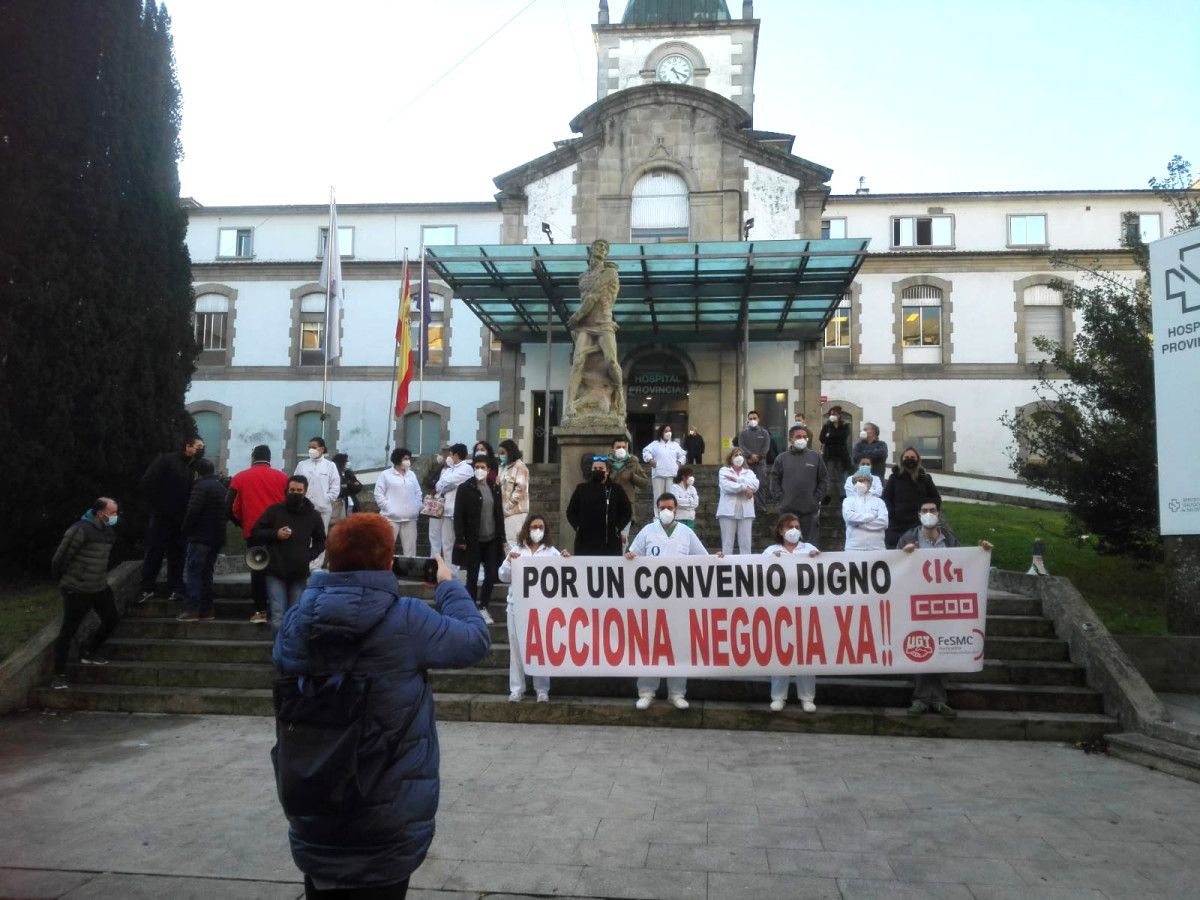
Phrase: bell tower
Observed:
(691, 42)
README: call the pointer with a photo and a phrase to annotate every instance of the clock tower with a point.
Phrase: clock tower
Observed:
(692, 42)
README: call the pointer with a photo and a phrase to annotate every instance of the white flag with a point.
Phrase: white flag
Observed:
(331, 280)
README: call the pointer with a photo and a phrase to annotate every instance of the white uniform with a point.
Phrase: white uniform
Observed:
(447, 488)
(866, 520)
(876, 486)
(324, 487)
(687, 500)
(653, 541)
(806, 685)
(398, 496)
(516, 670)
(665, 458)
(735, 511)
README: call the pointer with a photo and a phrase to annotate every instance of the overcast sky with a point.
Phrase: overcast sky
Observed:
(283, 98)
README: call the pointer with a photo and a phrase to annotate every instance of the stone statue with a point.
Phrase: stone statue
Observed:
(596, 393)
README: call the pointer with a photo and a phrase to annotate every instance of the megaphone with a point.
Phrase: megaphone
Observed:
(257, 558)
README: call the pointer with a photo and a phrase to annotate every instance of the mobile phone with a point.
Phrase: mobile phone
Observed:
(415, 568)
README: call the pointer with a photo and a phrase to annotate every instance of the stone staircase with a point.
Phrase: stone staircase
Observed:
(1028, 690)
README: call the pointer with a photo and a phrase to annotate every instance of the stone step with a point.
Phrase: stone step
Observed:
(167, 674)
(1049, 649)
(1165, 756)
(984, 725)
(190, 651)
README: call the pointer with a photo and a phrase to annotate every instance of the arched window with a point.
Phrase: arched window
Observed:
(1043, 318)
(422, 435)
(659, 212)
(308, 426)
(212, 431)
(926, 431)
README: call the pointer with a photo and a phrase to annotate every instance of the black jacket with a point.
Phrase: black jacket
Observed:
(693, 446)
(598, 512)
(290, 558)
(468, 511)
(903, 496)
(81, 561)
(167, 485)
(204, 520)
(835, 443)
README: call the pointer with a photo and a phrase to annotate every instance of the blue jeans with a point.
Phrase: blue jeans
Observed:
(198, 575)
(282, 594)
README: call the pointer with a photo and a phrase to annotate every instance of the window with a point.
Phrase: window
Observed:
(540, 424)
(1043, 318)
(773, 411)
(923, 231)
(659, 209)
(312, 330)
(439, 235)
(210, 324)
(1027, 231)
(307, 425)
(1143, 227)
(833, 228)
(235, 243)
(922, 314)
(926, 432)
(837, 330)
(211, 430)
(422, 432)
(437, 327)
(345, 241)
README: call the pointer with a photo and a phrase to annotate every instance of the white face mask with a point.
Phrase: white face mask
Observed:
(536, 535)
(754, 423)
(691, 479)
(314, 453)
(862, 435)
(666, 516)
(800, 443)
(861, 486)
(620, 453)
(667, 435)
(929, 520)
(406, 464)
(833, 420)
(480, 474)
(739, 461)
(439, 459)
(792, 536)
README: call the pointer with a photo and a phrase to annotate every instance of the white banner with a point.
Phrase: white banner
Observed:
(863, 613)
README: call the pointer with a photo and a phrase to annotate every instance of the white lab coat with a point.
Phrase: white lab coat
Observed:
(733, 502)
(876, 485)
(806, 685)
(398, 495)
(324, 483)
(666, 456)
(447, 484)
(866, 520)
(687, 500)
(516, 669)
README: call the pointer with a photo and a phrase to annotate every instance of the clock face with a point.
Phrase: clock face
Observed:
(675, 69)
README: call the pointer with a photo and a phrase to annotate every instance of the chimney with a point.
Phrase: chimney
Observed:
(862, 185)
(747, 9)
(603, 20)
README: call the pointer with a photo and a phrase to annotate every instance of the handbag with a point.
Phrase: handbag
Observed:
(434, 507)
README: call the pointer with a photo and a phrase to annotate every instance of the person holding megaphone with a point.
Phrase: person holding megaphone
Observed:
(294, 533)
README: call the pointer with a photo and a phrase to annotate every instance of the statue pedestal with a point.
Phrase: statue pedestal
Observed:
(574, 442)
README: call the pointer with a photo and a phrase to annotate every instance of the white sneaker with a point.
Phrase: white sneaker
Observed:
(777, 705)
(678, 702)
(543, 697)
(808, 705)
(644, 702)
(487, 616)
(516, 696)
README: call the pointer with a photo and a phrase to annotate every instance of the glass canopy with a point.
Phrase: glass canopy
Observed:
(784, 290)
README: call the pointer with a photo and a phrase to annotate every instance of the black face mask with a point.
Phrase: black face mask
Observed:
(909, 463)
(294, 502)
(597, 477)
(199, 454)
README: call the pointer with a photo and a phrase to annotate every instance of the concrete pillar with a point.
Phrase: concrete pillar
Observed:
(573, 443)
(808, 380)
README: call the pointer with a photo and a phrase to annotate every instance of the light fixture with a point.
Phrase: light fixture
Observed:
(546, 232)
(746, 228)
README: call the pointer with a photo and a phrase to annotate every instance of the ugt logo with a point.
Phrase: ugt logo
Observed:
(918, 646)
(1177, 279)
(940, 571)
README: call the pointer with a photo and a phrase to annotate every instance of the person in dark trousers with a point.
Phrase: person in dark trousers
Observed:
(835, 450)
(251, 491)
(799, 481)
(295, 534)
(906, 489)
(166, 486)
(347, 501)
(759, 447)
(693, 446)
(479, 533)
(929, 690)
(80, 565)
(871, 447)
(354, 619)
(598, 511)
(204, 530)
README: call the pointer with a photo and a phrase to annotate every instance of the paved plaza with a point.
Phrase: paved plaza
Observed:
(98, 805)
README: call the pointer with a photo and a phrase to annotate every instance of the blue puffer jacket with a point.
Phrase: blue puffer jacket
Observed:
(385, 840)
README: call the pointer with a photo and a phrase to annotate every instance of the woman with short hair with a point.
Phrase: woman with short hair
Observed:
(738, 486)
(789, 542)
(687, 500)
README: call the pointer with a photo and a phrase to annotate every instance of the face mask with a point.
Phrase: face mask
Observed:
(313, 453)
(692, 431)
(691, 479)
(754, 423)
(864, 470)
(480, 474)
(406, 464)
(199, 454)
(294, 502)
(439, 459)
(800, 443)
(862, 435)
(909, 463)
(112, 522)
(929, 520)
(536, 535)
(597, 476)
(666, 435)
(791, 536)
(862, 487)
(503, 459)
(666, 516)
(833, 420)
(620, 453)
(739, 461)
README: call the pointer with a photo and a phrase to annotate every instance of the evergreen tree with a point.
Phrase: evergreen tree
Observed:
(96, 347)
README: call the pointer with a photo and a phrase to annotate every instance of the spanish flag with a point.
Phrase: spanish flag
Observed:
(404, 348)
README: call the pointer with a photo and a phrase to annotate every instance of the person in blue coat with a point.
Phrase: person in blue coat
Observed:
(353, 618)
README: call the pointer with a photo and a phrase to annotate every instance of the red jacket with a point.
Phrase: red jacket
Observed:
(252, 490)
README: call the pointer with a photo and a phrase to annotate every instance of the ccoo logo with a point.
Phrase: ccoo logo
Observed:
(918, 646)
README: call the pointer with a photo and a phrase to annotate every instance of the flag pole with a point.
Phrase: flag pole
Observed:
(330, 244)
(424, 349)
(392, 415)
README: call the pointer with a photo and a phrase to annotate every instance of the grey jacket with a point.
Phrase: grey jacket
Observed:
(81, 561)
(799, 480)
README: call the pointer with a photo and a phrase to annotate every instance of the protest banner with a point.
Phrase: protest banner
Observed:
(747, 616)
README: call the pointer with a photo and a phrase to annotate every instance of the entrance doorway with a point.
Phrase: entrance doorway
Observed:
(539, 425)
(656, 394)
(772, 410)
